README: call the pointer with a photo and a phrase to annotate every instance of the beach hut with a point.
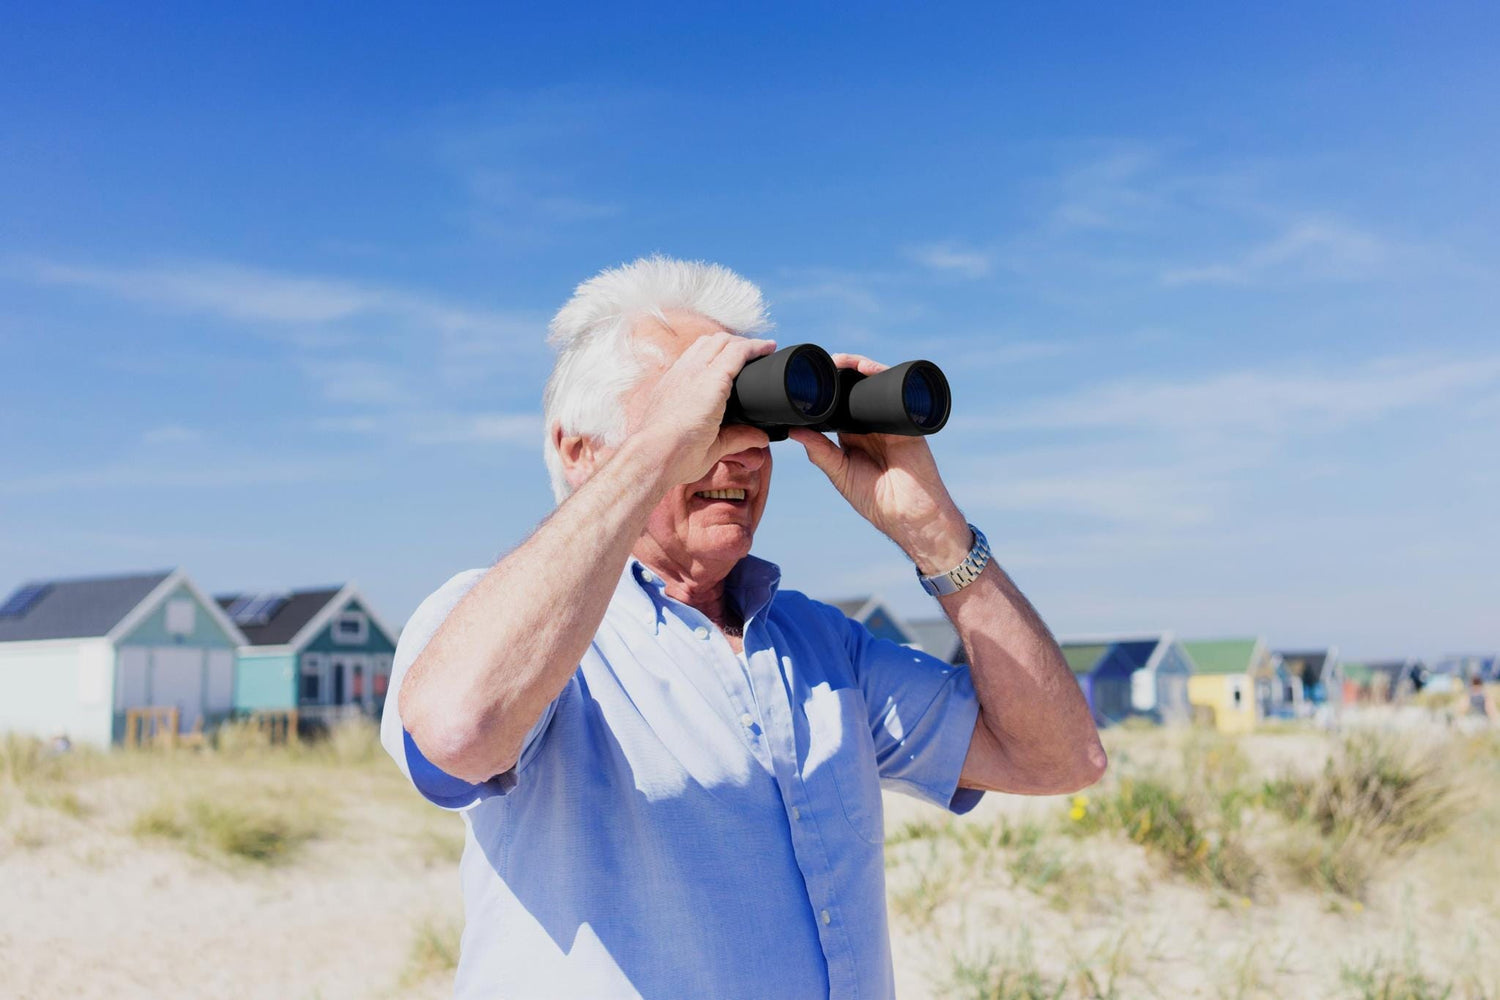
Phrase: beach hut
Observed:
(1455, 672)
(1394, 680)
(320, 652)
(1357, 683)
(1317, 674)
(1132, 676)
(877, 616)
(1223, 682)
(92, 659)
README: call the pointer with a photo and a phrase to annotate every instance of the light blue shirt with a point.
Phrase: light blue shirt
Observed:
(685, 823)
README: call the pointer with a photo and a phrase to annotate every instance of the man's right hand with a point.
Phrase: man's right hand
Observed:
(682, 412)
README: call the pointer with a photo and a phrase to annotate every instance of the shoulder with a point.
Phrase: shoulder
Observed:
(797, 608)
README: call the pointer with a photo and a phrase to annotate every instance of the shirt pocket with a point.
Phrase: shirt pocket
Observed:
(842, 751)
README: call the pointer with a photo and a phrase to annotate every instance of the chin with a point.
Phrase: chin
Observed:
(730, 542)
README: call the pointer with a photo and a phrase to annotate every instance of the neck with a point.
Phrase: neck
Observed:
(703, 592)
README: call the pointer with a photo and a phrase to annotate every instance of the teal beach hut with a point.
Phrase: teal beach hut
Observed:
(321, 651)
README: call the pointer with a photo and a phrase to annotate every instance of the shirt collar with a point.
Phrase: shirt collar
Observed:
(751, 585)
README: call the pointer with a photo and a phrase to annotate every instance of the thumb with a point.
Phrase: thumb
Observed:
(820, 451)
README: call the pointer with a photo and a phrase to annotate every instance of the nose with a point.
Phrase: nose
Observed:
(751, 459)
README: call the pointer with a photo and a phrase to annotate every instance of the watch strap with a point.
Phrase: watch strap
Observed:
(965, 573)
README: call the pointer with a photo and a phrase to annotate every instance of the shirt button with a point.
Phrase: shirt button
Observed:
(648, 576)
(747, 720)
(826, 919)
(796, 813)
(701, 632)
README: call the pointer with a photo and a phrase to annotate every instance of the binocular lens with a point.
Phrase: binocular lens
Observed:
(921, 399)
(809, 385)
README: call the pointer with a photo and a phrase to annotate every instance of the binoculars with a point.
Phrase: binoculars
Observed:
(801, 387)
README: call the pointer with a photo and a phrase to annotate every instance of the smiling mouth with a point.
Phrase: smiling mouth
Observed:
(737, 496)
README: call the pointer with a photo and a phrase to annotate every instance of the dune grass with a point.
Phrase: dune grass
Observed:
(433, 951)
(1190, 816)
(1376, 798)
(254, 828)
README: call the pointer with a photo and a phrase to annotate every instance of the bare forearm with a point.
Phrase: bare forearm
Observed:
(512, 643)
(1042, 738)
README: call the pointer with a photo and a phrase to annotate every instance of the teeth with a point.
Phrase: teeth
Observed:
(721, 494)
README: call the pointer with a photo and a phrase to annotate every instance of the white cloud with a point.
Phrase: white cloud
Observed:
(1112, 191)
(1265, 400)
(429, 428)
(951, 259)
(489, 428)
(505, 191)
(360, 381)
(1307, 250)
(171, 434)
(220, 473)
(1135, 495)
(255, 296)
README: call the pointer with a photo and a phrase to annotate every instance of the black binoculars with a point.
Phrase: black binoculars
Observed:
(801, 387)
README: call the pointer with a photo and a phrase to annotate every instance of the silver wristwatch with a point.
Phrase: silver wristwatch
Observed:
(965, 573)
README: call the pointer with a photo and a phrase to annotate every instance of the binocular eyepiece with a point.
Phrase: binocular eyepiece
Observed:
(801, 387)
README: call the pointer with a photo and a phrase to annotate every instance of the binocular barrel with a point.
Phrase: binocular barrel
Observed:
(800, 386)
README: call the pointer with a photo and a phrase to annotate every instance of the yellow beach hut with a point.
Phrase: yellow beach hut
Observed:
(1223, 682)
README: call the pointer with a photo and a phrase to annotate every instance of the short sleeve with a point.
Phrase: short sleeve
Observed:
(922, 714)
(439, 787)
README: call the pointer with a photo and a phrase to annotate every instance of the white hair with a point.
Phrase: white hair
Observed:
(597, 363)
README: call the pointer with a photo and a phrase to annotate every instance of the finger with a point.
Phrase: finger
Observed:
(714, 344)
(820, 451)
(740, 351)
(859, 363)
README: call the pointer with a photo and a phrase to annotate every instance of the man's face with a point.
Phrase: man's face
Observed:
(699, 534)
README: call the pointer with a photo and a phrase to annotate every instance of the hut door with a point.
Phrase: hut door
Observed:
(177, 682)
(131, 690)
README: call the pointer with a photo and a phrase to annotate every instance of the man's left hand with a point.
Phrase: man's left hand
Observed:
(893, 482)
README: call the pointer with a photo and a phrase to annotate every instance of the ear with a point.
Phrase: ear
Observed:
(579, 455)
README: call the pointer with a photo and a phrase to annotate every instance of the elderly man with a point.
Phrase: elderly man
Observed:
(669, 766)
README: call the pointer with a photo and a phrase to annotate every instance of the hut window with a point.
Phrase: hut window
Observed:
(181, 616)
(351, 627)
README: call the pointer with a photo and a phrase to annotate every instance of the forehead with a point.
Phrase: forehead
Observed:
(673, 337)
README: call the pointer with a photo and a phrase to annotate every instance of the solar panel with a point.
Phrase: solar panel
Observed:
(256, 609)
(21, 601)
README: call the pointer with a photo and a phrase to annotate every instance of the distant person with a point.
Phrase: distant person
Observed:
(1482, 711)
(669, 765)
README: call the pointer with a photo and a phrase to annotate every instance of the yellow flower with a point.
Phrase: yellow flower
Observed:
(1245, 902)
(1080, 802)
(1076, 813)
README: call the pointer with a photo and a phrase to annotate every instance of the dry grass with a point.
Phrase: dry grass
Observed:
(1376, 798)
(993, 975)
(433, 952)
(1190, 816)
(257, 828)
(1308, 837)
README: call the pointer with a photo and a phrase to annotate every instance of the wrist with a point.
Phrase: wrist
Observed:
(650, 462)
(939, 543)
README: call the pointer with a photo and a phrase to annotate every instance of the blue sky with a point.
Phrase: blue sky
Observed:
(1215, 287)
